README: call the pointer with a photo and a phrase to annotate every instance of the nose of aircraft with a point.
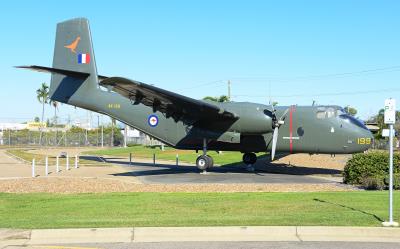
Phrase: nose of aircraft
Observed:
(363, 140)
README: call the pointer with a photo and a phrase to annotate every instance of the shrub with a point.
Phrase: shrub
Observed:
(396, 181)
(361, 167)
(373, 182)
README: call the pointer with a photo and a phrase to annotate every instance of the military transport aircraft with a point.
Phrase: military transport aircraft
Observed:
(191, 124)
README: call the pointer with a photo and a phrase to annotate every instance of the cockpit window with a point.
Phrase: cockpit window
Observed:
(352, 120)
(323, 112)
(330, 112)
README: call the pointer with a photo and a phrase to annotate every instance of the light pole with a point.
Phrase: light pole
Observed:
(125, 134)
(98, 126)
(102, 133)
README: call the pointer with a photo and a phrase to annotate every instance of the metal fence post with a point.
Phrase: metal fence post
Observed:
(154, 159)
(177, 160)
(33, 168)
(130, 158)
(76, 161)
(67, 162)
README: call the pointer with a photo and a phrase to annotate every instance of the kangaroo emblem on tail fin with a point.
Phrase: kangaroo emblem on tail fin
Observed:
(73, 45)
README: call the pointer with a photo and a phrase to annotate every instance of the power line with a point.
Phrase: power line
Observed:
(205, 84)
(318, 76)
(324, 94)
(299, 78)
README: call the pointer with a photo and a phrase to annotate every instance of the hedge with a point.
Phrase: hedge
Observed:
(371, 170)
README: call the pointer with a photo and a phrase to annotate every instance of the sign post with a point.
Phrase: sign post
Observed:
(390, 119)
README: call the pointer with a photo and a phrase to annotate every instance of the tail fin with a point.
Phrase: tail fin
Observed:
(73, 51)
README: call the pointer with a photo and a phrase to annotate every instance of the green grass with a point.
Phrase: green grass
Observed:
(169, 154)
(194, 209)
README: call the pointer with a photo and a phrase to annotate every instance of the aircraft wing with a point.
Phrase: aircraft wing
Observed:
(171, 104)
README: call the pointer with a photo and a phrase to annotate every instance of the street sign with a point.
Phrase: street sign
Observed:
(385, 132)
(390, 111)
(390, 119)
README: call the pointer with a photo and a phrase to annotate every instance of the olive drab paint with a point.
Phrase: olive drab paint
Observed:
(186, 123)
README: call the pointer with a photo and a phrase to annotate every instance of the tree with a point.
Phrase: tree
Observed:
(55, 105)
(215, 99)
(42, 95)
(222, 98)
(350, 110)
(380, 120)
(36, 119)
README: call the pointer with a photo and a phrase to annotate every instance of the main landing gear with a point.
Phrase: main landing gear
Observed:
(249, 159)
(204, 161)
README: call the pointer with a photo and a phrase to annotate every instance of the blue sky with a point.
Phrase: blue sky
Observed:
(334, 52)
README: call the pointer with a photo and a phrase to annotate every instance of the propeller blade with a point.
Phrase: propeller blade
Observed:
(284, 115)
(274, 141)
(268, 113)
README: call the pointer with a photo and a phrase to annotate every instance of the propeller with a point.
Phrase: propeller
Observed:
(276, 123)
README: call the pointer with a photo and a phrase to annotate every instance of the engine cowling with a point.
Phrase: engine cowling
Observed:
(255, 122)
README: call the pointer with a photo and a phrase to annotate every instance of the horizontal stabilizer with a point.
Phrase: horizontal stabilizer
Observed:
(74, 74)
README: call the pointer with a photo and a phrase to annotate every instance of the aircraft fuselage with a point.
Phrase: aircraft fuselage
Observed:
(310, 129)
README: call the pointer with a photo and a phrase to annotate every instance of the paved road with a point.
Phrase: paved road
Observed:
(172, 174)
(221, 245)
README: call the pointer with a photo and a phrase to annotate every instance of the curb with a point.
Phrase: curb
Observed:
(170, 234)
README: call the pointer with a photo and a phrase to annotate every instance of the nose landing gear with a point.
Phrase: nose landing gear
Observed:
(204, 161)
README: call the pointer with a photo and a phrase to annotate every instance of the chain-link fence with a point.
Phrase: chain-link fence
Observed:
(60, 138)
(71, 138)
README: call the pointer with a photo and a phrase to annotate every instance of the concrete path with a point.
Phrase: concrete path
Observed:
(12, 167)
(220, 245)
(174, 234)
(7, 159)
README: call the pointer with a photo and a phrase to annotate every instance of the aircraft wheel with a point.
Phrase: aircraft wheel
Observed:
(203, 162)
(249, 158)
(211, 160)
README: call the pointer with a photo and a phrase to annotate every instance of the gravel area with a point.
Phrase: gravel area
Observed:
(102, 185)
(315, 161)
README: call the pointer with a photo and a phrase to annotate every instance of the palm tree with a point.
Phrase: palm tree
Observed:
(55, 105)
(42, 95)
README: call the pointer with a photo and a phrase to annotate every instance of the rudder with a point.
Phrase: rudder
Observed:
(73, 51)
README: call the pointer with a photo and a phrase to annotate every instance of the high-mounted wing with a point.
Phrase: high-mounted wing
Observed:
(171, 104)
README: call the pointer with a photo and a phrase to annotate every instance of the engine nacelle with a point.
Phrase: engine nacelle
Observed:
(254, 121)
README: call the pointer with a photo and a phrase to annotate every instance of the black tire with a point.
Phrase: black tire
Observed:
(211, 161)
(249, 158)
(203, 162)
